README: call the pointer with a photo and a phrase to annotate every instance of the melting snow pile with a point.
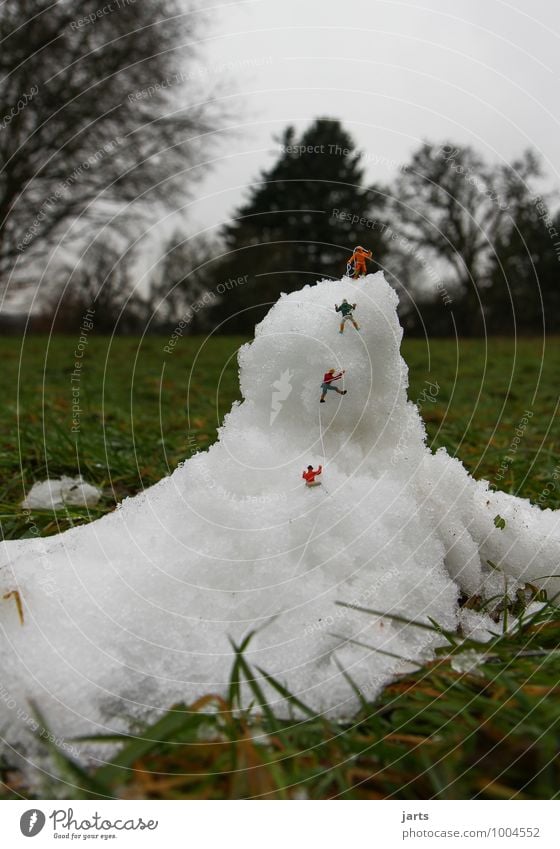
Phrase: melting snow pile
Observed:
(66, 492)
(130, 613)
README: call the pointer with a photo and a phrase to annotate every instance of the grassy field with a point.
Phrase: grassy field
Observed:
(140, 406)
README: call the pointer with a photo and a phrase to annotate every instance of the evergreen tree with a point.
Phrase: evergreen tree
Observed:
(301, 220)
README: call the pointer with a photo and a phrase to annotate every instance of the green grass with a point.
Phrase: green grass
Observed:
(435, 734)
(140, 406)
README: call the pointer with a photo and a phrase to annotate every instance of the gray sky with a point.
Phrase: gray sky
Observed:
(484, 72)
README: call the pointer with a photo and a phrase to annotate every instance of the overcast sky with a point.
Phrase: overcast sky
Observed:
(484, 72)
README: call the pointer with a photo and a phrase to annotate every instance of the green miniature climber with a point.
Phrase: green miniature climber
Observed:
(346, 309)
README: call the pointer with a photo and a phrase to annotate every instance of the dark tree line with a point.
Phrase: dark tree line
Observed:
(470, 246)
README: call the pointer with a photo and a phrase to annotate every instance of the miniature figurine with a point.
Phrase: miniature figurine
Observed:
(328, 379)
(356, 265)
(346, 309)
(310, 474)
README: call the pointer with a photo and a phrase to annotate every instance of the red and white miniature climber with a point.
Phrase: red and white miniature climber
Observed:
(328, 380)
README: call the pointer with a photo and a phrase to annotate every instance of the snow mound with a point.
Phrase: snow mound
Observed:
(54, 494)
(135, 611)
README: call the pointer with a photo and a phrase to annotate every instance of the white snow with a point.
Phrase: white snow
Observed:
(54, 494)
(132, 612)
(467, 662)
(478, 626)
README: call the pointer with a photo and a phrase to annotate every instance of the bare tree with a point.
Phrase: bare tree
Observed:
(102, 285)
(452, 206)
(88, 114)
(183, 283)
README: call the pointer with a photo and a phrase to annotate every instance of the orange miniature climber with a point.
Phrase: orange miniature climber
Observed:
(356, 265)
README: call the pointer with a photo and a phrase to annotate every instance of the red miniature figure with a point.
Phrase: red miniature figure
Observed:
(357, 262)
(328, 379)
(310, 474)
